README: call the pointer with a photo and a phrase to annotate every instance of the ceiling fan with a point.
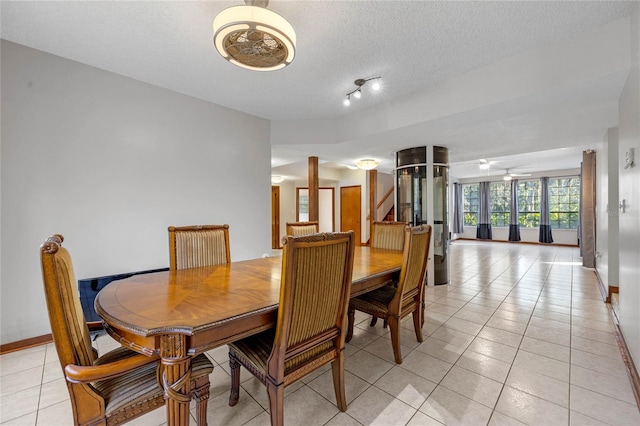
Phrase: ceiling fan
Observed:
(508, 175)
(485, 164)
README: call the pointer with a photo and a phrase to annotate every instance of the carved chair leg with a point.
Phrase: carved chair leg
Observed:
(417, 323)
(234, 366)
(337, 367)
(424, 304)
(276, 403)
(201, 395)
(351, 318)
(394, 327)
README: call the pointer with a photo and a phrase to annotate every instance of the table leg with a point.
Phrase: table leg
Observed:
(351, 316)
(176, 378)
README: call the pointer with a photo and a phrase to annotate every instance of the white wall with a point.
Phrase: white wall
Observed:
(607, 263)
(287, 205)
(527, 235)
(629, 184)
(110, 162)
(385, 184)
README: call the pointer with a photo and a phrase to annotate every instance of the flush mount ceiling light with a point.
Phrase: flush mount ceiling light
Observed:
(357, 92)
(367, 164)
(277, 179)
(254, 37)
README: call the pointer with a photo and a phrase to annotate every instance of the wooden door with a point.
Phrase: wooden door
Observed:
(350, 210)
(275, 217)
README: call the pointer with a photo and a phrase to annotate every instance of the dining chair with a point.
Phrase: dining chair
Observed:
(119, 385)
(387, 235)
(198, 245)
(392, 303)
(298, 229)
(311, 326)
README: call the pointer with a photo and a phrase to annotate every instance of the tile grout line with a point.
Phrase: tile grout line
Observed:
(520, 344)
(577, 288)
(570, 341)
(476, 336)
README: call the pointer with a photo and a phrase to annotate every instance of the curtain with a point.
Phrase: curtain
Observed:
(588, 209)
(579, 233)
(545, 221)
(483, 231)
(514, 226)
(458, 220)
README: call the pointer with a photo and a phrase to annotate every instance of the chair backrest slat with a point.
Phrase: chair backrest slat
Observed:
(414, 262)
(298, 229)
(201, 245)
(388, 235)
(314, 295)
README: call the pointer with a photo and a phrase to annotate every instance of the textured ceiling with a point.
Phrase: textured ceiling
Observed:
(413, 45)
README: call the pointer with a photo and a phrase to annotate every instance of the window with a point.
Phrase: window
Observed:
(499, 200)
(470, 204)
(302, 203)
(529, 203)
(564, 202)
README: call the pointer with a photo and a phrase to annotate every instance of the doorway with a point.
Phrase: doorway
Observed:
(351, 210)
(326, 204)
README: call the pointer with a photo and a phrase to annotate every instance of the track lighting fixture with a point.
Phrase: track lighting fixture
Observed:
(357, 92)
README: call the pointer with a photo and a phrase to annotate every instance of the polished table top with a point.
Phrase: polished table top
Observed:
(179, 314)
(194, 301)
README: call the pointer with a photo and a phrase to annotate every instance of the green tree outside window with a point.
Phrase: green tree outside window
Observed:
(499, 197)
(470, 204)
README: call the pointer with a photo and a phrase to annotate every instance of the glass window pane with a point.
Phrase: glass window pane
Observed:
(529, 203)
(564, 202)
(499, 197)
(470, 204)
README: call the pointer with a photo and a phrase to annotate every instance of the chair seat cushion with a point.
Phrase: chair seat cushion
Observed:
(256, 350)
(375, 302)
(139, 388)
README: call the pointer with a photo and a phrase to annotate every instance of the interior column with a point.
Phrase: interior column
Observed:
(314, 192)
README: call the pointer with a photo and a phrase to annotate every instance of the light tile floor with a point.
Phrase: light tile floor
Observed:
(520, 336)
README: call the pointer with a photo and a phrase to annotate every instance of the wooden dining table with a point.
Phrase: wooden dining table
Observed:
(181, 313)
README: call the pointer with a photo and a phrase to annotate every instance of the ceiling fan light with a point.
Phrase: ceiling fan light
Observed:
(254, 37)
(507, 177)
(367, 164)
